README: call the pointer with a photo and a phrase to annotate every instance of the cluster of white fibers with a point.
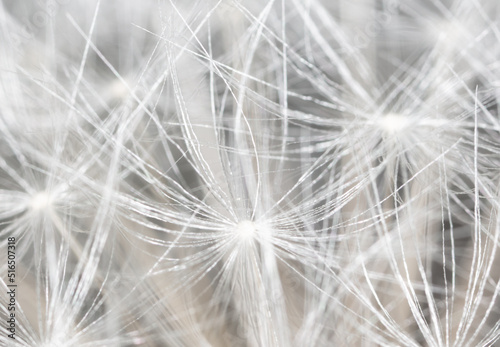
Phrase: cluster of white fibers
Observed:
(250, 172)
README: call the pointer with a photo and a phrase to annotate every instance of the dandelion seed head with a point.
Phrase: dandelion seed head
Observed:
(452, 32)
(118, 89)
(56, 340)
(41, 201)
(393, 123)
(246, 230)
(52, 344)
(138, 341)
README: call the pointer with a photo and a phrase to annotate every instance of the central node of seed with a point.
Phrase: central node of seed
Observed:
(41, 201)
(393, 123)
(246, 230)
